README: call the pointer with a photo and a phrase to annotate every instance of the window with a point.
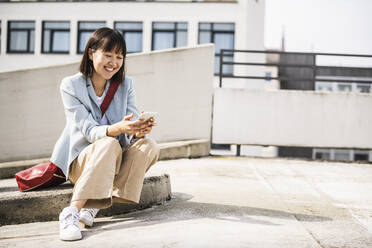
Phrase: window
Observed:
(342, 155)
(322, 154)
(222, 35)
(360, 155)
(322, 86)
(132, 33)
(363, 88)
(21, 35)
(345, 87)
(168, 35)
(56, 37)
(85, 29)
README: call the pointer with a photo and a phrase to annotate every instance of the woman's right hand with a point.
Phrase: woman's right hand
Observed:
(126, 126)
(132, 127)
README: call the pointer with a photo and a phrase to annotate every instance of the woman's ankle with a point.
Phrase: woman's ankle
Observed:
(79, 204)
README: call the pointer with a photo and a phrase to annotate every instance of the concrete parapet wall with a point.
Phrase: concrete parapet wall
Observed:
(168, 150)
(292, 118)
(176, 83)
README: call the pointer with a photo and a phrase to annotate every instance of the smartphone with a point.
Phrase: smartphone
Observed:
(147, 115)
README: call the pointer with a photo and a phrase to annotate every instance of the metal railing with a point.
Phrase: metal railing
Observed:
(315, 68)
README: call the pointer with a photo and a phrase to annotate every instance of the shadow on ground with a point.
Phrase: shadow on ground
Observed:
(181, 209)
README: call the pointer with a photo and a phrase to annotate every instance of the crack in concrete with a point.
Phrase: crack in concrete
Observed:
(271, 188)
(29, 236)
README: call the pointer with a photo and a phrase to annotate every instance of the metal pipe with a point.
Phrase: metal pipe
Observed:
(369, 81)
(296, 65)
(300, 53)
(221, 63)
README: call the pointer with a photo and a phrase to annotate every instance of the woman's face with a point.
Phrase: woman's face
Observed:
(105, 64)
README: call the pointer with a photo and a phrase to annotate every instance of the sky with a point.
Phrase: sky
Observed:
(333, 26)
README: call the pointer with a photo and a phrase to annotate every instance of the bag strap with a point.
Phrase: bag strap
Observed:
(109, 96)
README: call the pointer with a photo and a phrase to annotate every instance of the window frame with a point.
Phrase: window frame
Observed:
(212, 35)
(28, 30)
(174, 31)
(124, 31)
(79, 31)
(51, 37)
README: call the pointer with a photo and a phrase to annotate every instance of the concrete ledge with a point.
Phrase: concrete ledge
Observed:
(45, 205)
(9, 169)
(170, 150)
(184, 149)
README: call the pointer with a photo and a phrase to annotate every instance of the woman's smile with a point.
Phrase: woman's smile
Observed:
(109, 69)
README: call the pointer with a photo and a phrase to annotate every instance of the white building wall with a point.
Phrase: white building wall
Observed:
(248, 16)
(292, 118)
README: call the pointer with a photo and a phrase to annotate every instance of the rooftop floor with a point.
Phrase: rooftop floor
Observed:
(235, 202)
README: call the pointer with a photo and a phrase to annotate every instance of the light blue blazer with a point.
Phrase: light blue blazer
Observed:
(83, 116)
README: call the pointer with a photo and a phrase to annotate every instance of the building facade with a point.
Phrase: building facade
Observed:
(346, 75)
(44, 33)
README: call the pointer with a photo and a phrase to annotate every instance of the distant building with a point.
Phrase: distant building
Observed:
(344, 74)
(41, 33)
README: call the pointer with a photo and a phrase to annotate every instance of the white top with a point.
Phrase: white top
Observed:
(100, 99)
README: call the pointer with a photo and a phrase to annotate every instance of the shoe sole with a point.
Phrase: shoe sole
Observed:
(71, 238)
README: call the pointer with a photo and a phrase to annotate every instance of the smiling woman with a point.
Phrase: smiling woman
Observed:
(103, 45)
(102, 151)
(105, 64)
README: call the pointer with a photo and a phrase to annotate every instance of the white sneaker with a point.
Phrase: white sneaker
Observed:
(87, 215)
(69, 224)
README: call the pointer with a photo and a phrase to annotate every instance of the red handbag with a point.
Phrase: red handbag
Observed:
(40, 176)
(48, 174)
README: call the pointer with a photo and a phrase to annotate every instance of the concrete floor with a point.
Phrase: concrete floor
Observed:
(235, 202)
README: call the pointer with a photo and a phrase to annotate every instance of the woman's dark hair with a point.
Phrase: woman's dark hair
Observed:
(108, 39)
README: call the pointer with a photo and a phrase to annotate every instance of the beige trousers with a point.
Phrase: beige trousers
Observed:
(105, 173)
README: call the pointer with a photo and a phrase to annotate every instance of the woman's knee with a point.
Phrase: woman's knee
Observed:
(154, 152)
(155, 148)
(111, 144)
(149, 145)
(108, 149)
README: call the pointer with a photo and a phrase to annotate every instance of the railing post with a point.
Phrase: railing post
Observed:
(238, 150)
(221, 61)
(314, 70)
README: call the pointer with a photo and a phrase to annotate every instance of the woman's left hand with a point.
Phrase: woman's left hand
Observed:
(147, 129)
